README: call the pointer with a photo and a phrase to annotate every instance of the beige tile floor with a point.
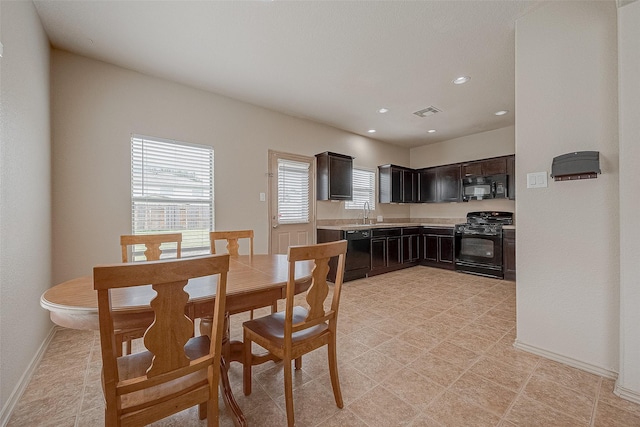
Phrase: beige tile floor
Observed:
(417, 347)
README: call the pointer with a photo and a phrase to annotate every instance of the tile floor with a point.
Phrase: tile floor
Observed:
(417, 347)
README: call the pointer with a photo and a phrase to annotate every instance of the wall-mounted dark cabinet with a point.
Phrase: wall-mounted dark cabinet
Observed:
(397, 184)
(511, 177)
(485, 167)
(440, 184)
(509, 254)
(437, 247)
(334, 176)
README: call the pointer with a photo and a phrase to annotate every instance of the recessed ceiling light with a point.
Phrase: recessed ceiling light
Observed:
(501, 112)
(461, 80)
(431, 131)
(371, 131)
(383, 110)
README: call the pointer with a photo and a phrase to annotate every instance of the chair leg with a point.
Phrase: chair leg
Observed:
(213, 414)
(333, 371)
(298, 363)
(246, 365)
(202, 410)
(288, 391)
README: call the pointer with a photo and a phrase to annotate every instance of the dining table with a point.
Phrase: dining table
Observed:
(253, 281)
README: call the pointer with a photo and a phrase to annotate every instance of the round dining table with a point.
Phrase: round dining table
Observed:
(252, 282)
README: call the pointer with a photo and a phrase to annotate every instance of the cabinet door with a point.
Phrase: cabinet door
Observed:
(428, 185)
(410, 248)
(340, 178)
(409, 186)
(378, 253)
(472, 169)
(430, 248)
(394, 251)
(449, 184)
(445, 250)
(509, 254)
(494, 166)
(511, 177)
(396, 185)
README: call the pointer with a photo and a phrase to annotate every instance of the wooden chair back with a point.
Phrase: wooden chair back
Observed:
(317, 293)
(233, 247)
(177, 372)
(152, 244)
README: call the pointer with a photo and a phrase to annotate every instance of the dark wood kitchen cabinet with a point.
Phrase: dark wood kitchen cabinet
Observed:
(485, 167)
(509, 254)
(386, 250)
(511, 177)
(334, 176)
(438, 247)
(440, 184)
(397, 184)
(410, 245)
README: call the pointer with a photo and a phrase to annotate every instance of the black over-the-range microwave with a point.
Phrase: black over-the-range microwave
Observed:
(484, 187)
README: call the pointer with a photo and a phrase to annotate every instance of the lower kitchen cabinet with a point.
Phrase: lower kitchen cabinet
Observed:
(509, 254)
(437, 247)
(386, 250)
(410, 245)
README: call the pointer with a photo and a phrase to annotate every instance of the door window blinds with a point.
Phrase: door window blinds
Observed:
(172, 191)
(293, 192)
(364, 189)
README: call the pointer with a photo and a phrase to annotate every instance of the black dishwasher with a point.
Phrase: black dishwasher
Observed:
(358, 260)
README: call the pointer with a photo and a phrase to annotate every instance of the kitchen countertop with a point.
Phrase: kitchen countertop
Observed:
(345, 227)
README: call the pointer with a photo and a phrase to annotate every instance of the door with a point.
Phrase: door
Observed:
(291, 207)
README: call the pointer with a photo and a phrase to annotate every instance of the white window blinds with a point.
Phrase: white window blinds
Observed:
(293, 192)
(172, 191)
(364, 189)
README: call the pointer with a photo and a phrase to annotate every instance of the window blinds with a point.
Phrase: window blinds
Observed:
(364, 189)
(293, 192)
(172, 191)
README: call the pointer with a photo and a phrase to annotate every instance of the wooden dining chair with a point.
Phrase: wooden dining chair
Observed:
(153, 252)
(299, 330)
(232, 237)
(176, 371)
(152, 243)
(233, 248)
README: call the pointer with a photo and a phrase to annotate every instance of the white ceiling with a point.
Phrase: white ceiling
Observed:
(334, 62)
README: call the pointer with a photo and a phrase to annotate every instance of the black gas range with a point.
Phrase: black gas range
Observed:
(478, 243)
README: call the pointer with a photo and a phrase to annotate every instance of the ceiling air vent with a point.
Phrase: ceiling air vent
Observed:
(429, 111)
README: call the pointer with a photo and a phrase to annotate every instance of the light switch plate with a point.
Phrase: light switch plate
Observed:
(537, 180)
(263, 197)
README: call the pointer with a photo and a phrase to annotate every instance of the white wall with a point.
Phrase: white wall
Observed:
(25, 209)
(567, 245)
(97, 106)
(495, 143)
(628, 384)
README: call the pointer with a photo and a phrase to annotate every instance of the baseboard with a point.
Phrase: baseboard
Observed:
(7, 410)
(627, 394)
(566, 360)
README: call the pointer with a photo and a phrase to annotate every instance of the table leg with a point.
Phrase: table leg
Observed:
(225, 387)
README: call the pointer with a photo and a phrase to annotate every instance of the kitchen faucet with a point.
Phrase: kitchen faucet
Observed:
(365, 212)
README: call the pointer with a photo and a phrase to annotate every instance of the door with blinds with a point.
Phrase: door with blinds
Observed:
(291, 207)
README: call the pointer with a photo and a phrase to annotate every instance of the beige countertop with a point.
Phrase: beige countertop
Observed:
(345, 227)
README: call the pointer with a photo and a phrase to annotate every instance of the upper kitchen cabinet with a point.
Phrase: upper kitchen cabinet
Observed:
(397, 184)
(440, 184)
(511, 177)
(485, 167)
(334, 176)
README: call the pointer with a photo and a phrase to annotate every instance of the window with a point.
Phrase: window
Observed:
(364, 189)
(293, 192)
(172, 191)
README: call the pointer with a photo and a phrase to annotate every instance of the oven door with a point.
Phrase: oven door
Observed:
(479, 253)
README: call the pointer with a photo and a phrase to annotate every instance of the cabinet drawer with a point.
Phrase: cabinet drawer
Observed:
(444, 231)
(410, 230)
(384, 232)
